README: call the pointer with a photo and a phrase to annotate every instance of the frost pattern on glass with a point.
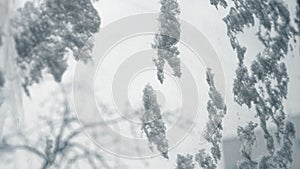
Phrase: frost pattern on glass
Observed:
(166, 39)
(152, 122)
(45, 33)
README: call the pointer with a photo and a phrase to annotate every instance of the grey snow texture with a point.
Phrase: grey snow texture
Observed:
(265, 85)
(152, 122)
(2, 80)
(216, 111)
(297, 19)
(213, 135)
(216, 3)
(185, 162)
(247, 137)
(46, 33)
(166, 39)
(1, 34)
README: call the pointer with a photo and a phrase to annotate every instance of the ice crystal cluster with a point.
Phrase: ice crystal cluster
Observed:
(166, 39)
(264, 86)
(45, 33)
(152, 122)
(216, 111)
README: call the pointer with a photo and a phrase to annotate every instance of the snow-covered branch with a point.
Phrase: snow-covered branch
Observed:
(247, 137)
(265, 84)
(166, 39)
(216, 111)
(185, 162)
(45, 33)
(152, 122)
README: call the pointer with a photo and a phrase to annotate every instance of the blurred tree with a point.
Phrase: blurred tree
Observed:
(11, 91)
(63, 146)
